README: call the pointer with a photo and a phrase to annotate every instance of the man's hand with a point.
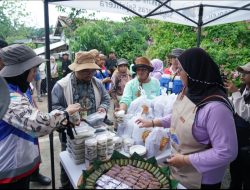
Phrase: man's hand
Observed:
(72, 108)
(230, 87)
(101, 110)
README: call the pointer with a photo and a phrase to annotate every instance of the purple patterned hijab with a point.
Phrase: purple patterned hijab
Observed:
(158, 68)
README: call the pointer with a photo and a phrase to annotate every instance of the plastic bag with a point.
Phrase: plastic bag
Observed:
(96, 119)
(128, 130)
(141, 105)
(163, 104)
(157, 141)
(138, 133)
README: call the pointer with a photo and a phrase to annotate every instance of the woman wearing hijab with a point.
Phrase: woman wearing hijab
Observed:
(202, 129)
(23, 122)
(158, 68)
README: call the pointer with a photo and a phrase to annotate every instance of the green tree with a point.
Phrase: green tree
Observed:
(11, 18)
(128, 38)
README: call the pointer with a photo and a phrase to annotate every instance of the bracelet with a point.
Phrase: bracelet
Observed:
(153, 123)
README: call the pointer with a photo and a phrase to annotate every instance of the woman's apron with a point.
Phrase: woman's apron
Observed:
(183, 142)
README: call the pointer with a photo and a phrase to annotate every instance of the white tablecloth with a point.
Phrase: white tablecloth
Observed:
(73, 171)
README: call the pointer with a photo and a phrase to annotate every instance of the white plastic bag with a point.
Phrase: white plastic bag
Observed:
(123, 128)
(157, 141)
(141, 105)
(163, 104)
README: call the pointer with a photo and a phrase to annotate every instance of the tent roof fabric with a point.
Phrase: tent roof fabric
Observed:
(185, 12)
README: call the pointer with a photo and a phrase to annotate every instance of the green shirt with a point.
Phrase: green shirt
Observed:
(152, 89)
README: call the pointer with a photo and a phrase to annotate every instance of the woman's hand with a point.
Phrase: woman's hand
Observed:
(178, 160)
(143, 123)
(72, 108)
(230, 87)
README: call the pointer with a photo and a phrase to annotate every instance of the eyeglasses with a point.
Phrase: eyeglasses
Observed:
(142, 69)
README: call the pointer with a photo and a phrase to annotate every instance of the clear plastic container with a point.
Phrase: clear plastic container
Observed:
(127, 143)
(91, 149)
(117, 143)
(96, 119)
(102, 147)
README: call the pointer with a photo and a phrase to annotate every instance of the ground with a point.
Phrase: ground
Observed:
(45, 167)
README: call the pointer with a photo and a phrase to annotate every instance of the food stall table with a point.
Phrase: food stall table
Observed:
(74, 171)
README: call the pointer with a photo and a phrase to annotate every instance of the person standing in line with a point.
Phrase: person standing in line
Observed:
(240, 168)
(23, 123)
(158, 68)
(150, 85)
(111, 63)
(42, 69)
(119, 81)
(175, 53)
(65, 64)
(53, 71)
(36, 83)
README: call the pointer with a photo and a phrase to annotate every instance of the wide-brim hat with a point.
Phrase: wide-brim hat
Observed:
(83, 60)
(143, 62)
(4, 97)
(175, 53)
(244, 69)
(17, 59)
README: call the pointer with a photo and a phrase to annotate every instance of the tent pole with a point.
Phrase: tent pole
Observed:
(200, 22)
(47, 57)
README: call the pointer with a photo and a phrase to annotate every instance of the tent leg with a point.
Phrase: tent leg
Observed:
(199, 36)
(200, 22)
(47, 56)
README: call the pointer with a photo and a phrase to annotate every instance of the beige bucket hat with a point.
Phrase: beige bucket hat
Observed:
(17, 59)
(83, 60)
(244, 69)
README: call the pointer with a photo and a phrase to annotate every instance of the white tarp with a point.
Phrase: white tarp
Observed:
(143, 7)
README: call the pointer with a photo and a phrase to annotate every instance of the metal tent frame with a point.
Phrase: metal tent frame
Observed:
(154, 12)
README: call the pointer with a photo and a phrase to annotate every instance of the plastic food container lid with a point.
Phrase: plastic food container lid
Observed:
(117, 139)
(139, 149)
(101, 138)
(120, 113)
(128, 141)
(91, 142)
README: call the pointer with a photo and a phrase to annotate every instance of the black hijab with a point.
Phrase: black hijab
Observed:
(20, 81)
(204, 77)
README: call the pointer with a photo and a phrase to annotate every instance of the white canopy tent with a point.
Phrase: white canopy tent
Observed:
(176, 11)
(197, 13)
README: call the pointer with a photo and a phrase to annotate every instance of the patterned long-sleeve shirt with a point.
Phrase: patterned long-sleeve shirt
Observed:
(24, 116)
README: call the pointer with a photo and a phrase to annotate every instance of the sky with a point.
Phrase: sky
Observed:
(36, 19)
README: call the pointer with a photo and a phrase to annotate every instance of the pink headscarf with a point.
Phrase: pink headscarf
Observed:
(158, 68)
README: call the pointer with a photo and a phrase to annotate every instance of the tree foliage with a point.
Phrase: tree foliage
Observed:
(127, 39)
(11, 18)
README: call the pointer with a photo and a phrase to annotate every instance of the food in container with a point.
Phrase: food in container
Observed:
(127, 143)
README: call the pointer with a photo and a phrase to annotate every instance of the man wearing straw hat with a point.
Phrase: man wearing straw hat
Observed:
(82, 87)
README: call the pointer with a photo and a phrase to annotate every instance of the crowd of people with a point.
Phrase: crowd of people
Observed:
(208, 129)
